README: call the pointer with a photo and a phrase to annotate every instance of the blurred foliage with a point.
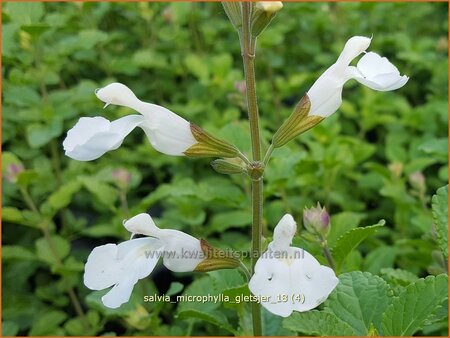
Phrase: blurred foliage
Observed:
(382, 156)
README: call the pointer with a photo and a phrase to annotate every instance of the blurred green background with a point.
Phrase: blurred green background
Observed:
(382, 155)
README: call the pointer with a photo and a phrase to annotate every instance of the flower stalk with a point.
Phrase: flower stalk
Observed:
(248, 44)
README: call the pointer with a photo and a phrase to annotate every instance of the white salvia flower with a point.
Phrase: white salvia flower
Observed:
(290, 279)
(92, 137)
(372, 70)
(123, 265)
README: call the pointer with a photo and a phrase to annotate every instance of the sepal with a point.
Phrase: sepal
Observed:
(298, 122)
(209, 146)
(216, 259)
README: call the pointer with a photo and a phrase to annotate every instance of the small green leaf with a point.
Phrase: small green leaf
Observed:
(317, 323)
(104, 193)
(60, 198)
(359, 300)
(341, 223)
(53, 249)
(46, 323)
(17, 252)
(175, 287)
(350, 240)
(9, 329)
(26, 177)
(214, 317)
(411, 310)
(22, 217)
(440, 216)
(40, 134)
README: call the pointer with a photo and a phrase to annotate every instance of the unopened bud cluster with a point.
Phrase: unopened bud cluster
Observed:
(317, 220)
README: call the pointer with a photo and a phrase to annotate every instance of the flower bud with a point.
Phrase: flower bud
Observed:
(396, 168)
(207, 145)
(12, 172)
(215, 259)
(317, 220)
(122, 178)
(228, 167)
(263, 13)
(417, 181)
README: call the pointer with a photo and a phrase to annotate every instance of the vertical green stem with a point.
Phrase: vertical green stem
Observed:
(248, 44)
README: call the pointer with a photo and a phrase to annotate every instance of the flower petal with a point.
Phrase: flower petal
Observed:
(312, 280)
(142, 224)
(182, 252)
(293, 279)
(283, 233)
(120, 293)
(167, 132)
(92, 137)
(108, 264)
(325, 94)
(271, 282)
(378, 73)
(353, 47)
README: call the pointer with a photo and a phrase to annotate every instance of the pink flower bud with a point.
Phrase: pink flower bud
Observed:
(122, 177)
(317, 220)
(13, 171)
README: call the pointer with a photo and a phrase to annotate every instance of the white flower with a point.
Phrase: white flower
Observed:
(123, 265)
(91, 137)
(290, 279)
(372, 71)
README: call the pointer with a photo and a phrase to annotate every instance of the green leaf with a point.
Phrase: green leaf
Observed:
(17, 252)
(26, 177)
(411, 310)
(197, 66)
(398, 276)
(379, 258)
(359, 300)
(231, 219)
(317, 323)
(440, 216)
(175, 287)
(105, 194)
(52, 250)
(22, 217)
(9, 329)
(342, 222)
(40, 134)
(25, 13)
(61, 198)
(350, 240)
(214, 317)
(46, 323)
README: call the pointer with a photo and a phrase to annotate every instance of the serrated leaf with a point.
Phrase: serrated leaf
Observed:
(350, 240)
(440, 217)
(317, 323)
(410, 311)
(359, 300)
(398, 276)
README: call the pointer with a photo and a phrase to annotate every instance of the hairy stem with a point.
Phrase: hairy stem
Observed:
(248, 44)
